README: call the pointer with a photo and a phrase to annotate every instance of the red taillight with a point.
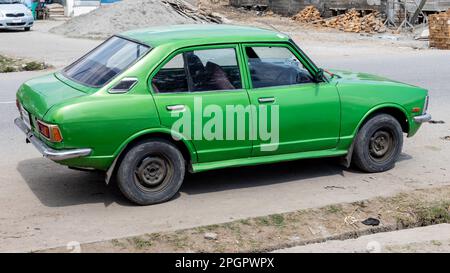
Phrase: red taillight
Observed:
(50, 132)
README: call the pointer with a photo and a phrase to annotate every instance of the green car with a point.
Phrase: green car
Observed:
(148, 105)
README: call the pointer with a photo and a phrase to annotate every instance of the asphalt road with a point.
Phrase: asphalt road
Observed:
(44, 205)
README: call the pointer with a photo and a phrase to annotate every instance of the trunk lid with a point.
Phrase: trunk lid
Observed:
(38, 95)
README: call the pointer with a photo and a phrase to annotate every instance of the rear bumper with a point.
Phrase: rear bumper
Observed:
(56, 155)
(422, 118)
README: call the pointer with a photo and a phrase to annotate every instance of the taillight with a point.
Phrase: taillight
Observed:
(50, 131)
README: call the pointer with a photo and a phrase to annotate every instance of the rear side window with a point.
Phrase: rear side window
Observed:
(275, 66)
(199, 70)
(105, 62)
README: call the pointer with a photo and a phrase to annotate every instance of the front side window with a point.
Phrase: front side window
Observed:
(199, 70)
(105, 62)
(275, 66)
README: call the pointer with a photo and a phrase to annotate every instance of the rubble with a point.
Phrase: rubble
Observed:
(440, 30)
(133, 14)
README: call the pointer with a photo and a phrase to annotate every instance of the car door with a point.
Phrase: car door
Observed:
(308, 112)
(193, 90)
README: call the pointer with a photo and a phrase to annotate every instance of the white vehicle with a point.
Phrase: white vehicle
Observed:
(15, 15)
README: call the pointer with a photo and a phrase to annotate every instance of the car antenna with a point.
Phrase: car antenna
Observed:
(271, 26)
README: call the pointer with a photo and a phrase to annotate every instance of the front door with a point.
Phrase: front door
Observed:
(194, 91)
(308, 112)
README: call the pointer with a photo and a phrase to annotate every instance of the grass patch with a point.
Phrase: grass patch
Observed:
(8, 65)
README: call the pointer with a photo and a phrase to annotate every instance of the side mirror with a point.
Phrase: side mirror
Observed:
(319, 77)
(125, 85)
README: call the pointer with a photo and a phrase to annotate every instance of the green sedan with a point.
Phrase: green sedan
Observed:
(146, 106)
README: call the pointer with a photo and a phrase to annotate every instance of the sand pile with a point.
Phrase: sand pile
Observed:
(132, 14)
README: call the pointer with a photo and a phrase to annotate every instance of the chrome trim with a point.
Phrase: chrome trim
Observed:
(179, 107)
(422, 118)
(266, 100)
(46, 151)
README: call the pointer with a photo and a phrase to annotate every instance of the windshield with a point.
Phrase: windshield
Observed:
(10, 1)
(105, 62)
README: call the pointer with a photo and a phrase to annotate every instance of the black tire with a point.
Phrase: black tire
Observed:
(378, 144)
(27, 28)
(151, 172)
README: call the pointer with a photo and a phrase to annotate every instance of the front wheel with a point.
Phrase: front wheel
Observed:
(378, 144)
(151, 172)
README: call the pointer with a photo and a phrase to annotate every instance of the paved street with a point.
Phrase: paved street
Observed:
(46, 205)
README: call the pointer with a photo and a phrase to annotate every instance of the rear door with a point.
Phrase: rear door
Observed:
(308, 113)
(194, 90)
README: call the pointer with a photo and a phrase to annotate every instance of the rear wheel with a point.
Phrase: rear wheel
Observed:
(378, 144)
(151, 172)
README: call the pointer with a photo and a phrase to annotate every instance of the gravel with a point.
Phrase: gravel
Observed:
(122, 16)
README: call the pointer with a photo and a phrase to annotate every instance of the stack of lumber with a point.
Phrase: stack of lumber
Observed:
(440, 30)
(372, 22)
(307, 15)
(352, 21)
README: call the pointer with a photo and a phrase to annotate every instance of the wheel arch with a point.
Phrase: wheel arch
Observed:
(395, 110)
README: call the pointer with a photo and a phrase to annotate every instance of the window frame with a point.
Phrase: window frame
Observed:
(240, 64)
(64, 70)
(311, 68)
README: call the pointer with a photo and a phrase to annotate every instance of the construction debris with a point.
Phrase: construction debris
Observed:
(307, 15)
(440, 30)
(201, 15)
(351, 21)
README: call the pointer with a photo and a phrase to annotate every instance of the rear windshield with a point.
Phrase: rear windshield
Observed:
(105, 62)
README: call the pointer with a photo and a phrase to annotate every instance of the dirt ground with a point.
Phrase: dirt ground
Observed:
(302, 227)
(45, 205)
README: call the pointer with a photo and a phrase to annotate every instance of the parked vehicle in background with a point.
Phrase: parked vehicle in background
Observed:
(118, 107)
(15, 15)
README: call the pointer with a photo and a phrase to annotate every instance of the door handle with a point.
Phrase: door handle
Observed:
(266, 100)
(179, 107)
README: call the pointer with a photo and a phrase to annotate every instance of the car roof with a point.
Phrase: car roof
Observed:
(201, 34)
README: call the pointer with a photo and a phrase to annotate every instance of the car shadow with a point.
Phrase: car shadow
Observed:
(57, 186)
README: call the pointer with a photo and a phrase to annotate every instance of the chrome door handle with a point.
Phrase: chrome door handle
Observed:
(175, 107)
(266, 100)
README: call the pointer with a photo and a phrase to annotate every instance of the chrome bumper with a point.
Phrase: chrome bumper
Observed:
(422, 118)
(56, 155)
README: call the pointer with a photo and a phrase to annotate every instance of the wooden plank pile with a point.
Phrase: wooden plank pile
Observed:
(307, 15)
(440, 30)
(351, 21)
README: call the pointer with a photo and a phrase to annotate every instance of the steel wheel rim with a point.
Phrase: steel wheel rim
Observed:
(153, 173)
(381, 145)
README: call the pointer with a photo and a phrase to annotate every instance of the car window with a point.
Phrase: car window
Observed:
(275, 66)
(199, 70)
(105, 62)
